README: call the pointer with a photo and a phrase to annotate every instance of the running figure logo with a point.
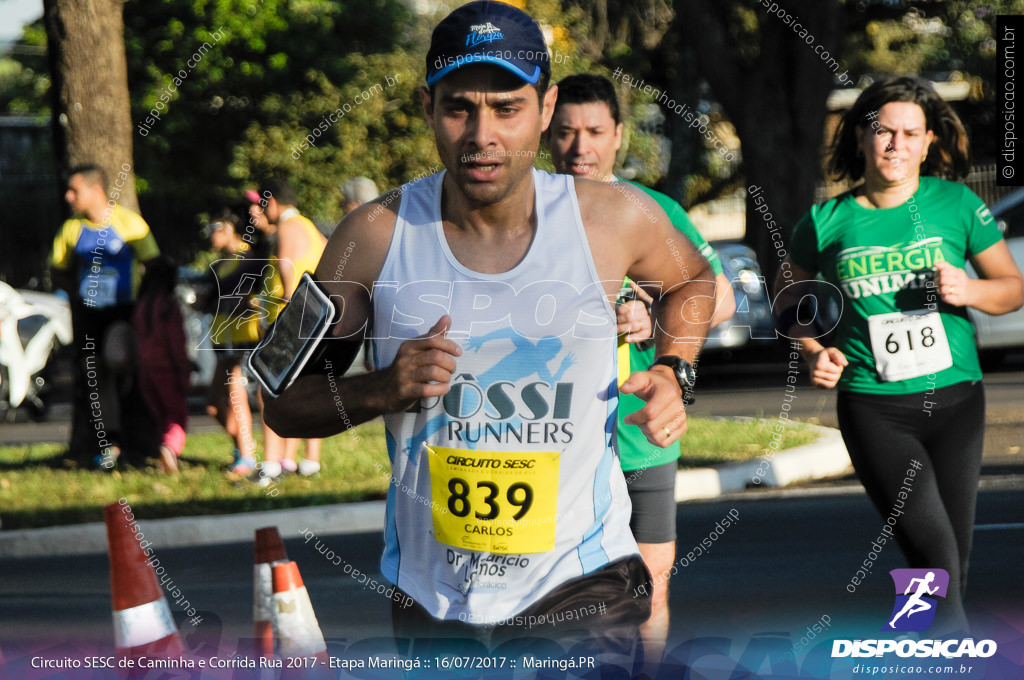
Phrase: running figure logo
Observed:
(914, 610)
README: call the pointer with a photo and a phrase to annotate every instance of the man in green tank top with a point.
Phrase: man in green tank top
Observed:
(584, 136)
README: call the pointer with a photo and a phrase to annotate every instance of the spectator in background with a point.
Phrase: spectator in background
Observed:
(266, 241)
(164, 366)
(298, 249)
(358, 190)
(241, 279)
(96, 257)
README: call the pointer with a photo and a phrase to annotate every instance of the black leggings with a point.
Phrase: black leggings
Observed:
(943, 430)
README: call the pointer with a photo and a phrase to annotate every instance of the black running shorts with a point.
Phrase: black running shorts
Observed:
(652, 491)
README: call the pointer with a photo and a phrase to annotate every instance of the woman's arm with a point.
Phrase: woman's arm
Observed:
(1000, 290)
(725, 300)
(826, 363)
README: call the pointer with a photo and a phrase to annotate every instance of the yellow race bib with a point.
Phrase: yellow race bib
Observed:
(495, 501)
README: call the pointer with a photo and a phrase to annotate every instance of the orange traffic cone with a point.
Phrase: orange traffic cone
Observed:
(294, 621)
(269, 551)
(143, 625)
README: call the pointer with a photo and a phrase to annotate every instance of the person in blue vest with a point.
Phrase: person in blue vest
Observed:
(97, 258)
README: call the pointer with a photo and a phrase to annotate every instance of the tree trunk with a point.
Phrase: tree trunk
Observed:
(90, 77)
(774, 90)
(687, 147)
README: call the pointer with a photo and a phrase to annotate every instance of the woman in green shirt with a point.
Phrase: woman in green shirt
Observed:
(911, 407)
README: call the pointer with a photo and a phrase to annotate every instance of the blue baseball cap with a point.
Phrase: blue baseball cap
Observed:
(488, 32)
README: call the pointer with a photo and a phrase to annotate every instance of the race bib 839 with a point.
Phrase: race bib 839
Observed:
(495, 501)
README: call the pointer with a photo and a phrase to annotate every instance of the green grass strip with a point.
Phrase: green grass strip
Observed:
(37, 489)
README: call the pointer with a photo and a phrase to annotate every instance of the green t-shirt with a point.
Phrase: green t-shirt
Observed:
(635, 452)
(883, 262)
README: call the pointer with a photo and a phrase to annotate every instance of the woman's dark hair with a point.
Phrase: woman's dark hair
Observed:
(226, 215)
(157, 287)
(947, 155)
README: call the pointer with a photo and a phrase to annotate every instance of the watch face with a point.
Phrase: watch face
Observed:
(686, 376)
(686, 373)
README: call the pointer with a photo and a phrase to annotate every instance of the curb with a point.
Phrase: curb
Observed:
(85, 539)
(825, 457)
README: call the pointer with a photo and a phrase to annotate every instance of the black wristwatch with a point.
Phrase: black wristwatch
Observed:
(686, 376)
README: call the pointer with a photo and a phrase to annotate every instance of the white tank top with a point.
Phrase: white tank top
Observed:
(509, 485)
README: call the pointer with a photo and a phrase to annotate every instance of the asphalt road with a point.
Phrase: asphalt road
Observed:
(783, 565)
(754, 387)
(766, 581)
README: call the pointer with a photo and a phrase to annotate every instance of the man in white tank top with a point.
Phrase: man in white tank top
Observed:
(487, 293)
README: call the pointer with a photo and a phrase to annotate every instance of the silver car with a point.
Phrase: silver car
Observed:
(998, 334)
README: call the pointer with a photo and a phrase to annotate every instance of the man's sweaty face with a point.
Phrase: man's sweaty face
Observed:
(584, 140)
(487, 124)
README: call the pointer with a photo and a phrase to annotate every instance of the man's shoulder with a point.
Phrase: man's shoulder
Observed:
(609, 192)
(126, 214)
(380, 216)
(299, 226)
(359, 244)
(386, 202)
(129, 223)
(64, 242)
(70, 227)
(294, 222)
(671, 206)
(616, 204)
(662, 199)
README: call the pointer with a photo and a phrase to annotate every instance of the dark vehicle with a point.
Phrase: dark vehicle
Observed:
(751, 325)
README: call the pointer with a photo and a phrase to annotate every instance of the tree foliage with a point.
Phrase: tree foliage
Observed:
(772, 86)
(274, 71)
(952, 40)
(271, 70)
(25, 75)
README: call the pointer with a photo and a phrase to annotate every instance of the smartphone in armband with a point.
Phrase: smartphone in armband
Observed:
(294, 338)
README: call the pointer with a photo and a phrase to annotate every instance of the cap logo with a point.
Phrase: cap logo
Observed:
(483, 33)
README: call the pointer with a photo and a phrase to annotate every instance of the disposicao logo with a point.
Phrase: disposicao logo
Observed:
(916, 590)
(914, 611)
